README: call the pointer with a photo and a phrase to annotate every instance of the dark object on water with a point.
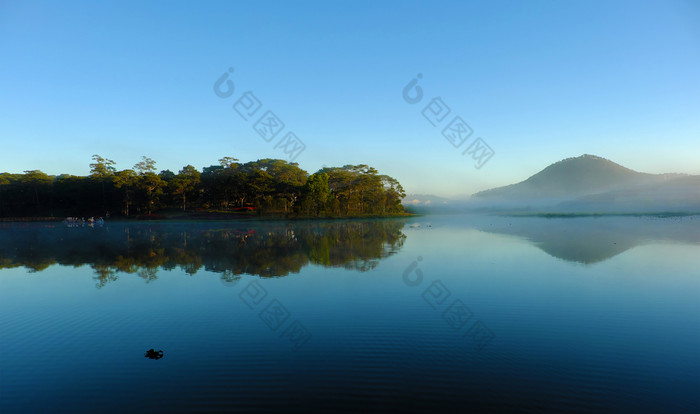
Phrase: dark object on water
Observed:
(153, 354)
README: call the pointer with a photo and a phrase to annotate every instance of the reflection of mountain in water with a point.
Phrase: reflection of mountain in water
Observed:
(595, 239)
(264, 249)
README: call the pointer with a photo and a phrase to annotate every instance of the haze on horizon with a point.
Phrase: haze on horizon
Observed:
(539, 82)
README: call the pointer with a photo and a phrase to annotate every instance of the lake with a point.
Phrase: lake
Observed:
(428, 314)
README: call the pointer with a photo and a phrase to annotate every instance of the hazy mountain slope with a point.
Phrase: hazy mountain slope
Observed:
(593, 184)
(571, 177)
(666, 192)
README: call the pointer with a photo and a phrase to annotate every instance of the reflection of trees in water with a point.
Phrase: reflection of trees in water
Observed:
(267, 249)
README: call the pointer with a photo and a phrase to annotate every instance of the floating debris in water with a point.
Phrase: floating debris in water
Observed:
(153, 354)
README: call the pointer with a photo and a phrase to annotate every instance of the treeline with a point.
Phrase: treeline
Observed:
(264, 186)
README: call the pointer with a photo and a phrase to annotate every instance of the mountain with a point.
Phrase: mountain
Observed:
(571, 177)
(591, 183)
(662, 193)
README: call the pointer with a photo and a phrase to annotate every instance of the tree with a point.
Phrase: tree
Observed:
(102, 167)
(394, 194)
(342, 186)
(151, 186)
(222, 183)
(126, 180)
(209, 181)
(316, 194)
(4, 180)
(150, 183)
(145, 166)
(75, 195)
(272, 185)
(358, 189)
(102, 170)
(230, 181)
(259, 187)
(36, 179)
(288, 179)
(228, 162)
(185, 182)
(166, 175)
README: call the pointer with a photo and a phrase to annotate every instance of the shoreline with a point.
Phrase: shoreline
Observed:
(214, 216)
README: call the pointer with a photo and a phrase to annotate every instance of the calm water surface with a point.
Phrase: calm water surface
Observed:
(431, 314)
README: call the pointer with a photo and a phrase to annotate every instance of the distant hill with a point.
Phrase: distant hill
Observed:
(662, 193)
(571, 177)
(591, 183)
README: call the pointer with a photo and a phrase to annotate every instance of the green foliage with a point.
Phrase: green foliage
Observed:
(126, 182)
(146, 166)
(359, 190)
(265, 186)
(185, 183)
(36, 181)
(228, 162)
(102, 167)
(316, 194)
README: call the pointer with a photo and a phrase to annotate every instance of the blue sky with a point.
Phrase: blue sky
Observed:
(538, 81)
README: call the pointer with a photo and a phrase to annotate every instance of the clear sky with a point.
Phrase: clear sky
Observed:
(538, 81)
